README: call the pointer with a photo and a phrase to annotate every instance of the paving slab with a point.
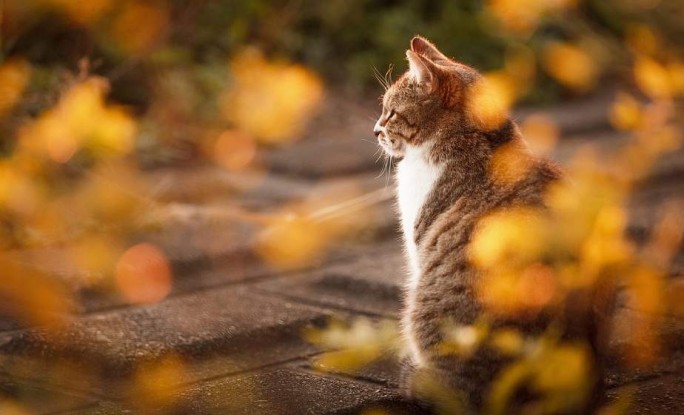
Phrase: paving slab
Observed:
(661, 395)
(385, 371)
(280, 391)
(221, 330)
(369, 283)
(34, 398)
(668, 364)
(284, 391)
(8, 323)
(208, 184)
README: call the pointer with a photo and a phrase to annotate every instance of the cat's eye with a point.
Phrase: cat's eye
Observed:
(391, 114)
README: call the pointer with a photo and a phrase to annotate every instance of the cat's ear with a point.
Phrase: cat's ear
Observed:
(421, 70)
(424, 47)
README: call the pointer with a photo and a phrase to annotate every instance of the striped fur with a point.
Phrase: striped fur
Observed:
(444, 187)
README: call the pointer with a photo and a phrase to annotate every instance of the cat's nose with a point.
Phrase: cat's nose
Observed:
(377, 130)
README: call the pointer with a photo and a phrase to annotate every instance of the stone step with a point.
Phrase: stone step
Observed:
(286, 391)
(211, 332)
(656, 396)
(20, 397)
(205, 245)
(370, 283)
(280, 391)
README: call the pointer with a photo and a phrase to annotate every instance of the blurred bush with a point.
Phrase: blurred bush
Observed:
(168, 60)
(341, 39)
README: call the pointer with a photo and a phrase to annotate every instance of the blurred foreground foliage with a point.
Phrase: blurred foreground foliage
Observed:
(92, 94)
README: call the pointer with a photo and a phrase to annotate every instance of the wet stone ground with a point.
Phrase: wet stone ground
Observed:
(236, 324)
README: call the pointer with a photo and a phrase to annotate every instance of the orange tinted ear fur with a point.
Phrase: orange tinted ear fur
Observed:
(421, 70)
(424, 47)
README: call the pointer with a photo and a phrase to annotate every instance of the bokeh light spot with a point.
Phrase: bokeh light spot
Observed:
(271, 102)
(652, 78)
(143, 274)
(570, 65)
(541, 133)
(140, 25)
(234, 150)
(14, 77)
(625, 114)
(490, 100)
(291, 242)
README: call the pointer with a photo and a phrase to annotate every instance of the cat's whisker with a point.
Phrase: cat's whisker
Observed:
(381, 79)
(389, 171)
(388, 76)
(382, 171)
(385, 166)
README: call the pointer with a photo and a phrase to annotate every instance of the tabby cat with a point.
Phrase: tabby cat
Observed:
(444, 187)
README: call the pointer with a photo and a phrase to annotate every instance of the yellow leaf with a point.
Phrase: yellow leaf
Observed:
(80, 119)
(114, 132)
(626, 112)
(82, 12)
(140, 25)
(563, 374)
(348, 360)
(510, 163)
(291, 242)
(156, 384)
(269, 101)
(8, 407)
(676, 73)
(490, 100)
(505, 385)
(429, 388)
(642, 39)
(564, 368)
(570, 65)
(14, 77)
(95, 257)
(512, 237)
(652, 78)
(518, 292)
(540, 132)
(646, 297)
(508, 341)
(522, 17)
(34, 297)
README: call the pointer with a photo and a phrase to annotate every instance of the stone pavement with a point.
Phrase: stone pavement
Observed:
(228, 339)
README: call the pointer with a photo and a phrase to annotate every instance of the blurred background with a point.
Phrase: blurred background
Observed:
(154, 153)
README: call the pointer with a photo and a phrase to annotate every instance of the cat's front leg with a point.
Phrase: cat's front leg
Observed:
(408, 323)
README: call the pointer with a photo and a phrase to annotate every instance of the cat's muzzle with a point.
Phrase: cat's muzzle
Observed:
(393, 147)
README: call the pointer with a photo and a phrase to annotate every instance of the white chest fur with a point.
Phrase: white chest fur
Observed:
(416, 176)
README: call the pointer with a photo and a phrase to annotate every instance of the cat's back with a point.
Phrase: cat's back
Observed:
(454, 207)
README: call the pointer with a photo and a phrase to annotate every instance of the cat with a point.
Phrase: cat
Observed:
(444, 186)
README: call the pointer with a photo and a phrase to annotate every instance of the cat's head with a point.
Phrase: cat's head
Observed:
(431, 95)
